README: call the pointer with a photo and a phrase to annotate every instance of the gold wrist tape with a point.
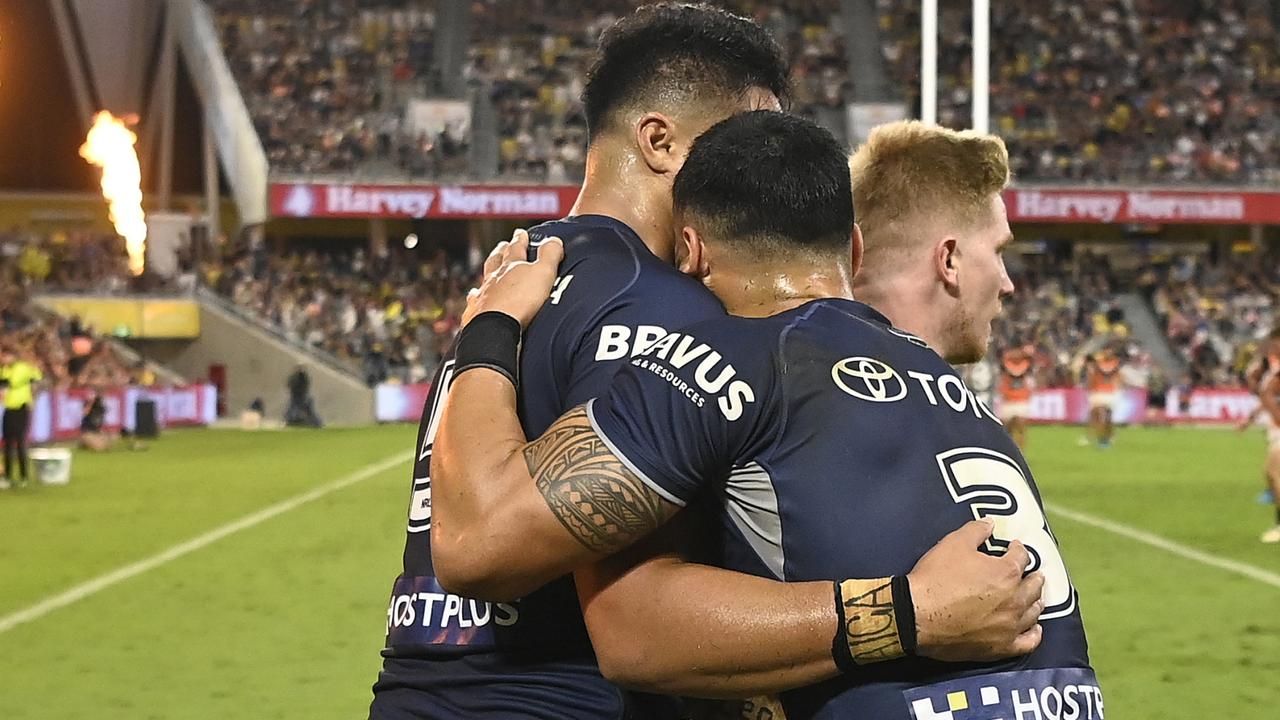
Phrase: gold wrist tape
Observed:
(869, 620)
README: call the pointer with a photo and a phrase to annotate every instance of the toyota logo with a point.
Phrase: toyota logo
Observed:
(868, 379)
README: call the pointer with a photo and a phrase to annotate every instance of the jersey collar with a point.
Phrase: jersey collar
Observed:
(864, 311)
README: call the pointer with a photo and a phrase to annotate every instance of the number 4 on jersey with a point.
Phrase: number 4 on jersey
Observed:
(557, 290)
(993, 486)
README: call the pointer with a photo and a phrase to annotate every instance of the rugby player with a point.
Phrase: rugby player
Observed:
(1102, 379)
(664, 74)
(829, 441)
(1264, 379)
(1016, 385)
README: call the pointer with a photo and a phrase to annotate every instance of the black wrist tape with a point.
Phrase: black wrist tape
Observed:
(491, 340)
(906, 611)
(877, 622)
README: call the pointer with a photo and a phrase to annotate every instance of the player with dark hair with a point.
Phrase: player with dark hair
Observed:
(664, 75)
(1102, 381)
(1016, 385)
(829, 440)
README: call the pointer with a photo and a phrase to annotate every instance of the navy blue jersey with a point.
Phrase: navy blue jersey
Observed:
(612, 298)
(832, 445)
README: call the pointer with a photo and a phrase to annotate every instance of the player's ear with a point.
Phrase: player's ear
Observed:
(656, 138)
(946, 261)
(856, 249)
(691, 254)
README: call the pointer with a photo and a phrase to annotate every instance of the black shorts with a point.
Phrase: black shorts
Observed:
(16, 422)
(492, 686)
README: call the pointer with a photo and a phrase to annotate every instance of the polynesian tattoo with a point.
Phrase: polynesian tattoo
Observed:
(597, 498)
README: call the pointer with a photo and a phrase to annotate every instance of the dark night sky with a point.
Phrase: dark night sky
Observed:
(39, 130)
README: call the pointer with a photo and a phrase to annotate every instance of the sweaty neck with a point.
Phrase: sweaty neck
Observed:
(619, 186)
(761, 290)
(909, 303)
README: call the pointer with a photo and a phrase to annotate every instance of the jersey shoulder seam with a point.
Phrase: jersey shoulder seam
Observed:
(779, 373)
(594, 318)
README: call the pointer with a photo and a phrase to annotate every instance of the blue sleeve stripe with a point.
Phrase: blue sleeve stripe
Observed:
(613, 448)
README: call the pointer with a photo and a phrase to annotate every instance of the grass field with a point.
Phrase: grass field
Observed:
(282, 616)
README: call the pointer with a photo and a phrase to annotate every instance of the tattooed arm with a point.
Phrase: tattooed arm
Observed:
(509, 515)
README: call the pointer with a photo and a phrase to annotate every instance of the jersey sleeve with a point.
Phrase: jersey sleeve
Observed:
(694, 405)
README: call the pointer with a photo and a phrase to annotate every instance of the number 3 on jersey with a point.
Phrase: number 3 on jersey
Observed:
(420, 501)
(993, 486)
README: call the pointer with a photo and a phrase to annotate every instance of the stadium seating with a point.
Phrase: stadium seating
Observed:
(1215, 315)
(1112, 90)
(386, 317)
(326, 83)
(68, 354)
(1062, 310)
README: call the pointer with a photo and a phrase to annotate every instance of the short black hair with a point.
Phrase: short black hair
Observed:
(677, 53)
(772, 183)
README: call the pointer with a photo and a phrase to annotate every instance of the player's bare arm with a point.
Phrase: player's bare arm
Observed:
(602, 504)
(511, 515)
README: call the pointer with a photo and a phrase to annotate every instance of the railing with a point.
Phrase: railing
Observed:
(164, 375)
(321, 356)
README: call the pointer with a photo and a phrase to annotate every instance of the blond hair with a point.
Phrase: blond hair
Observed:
(908, 173)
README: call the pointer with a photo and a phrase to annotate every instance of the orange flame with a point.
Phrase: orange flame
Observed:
(110, 146)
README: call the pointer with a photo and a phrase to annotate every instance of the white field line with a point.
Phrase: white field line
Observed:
(1252, 572)
(119, 575)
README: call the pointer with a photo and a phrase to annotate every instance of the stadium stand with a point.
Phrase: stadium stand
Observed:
(1214, 315)
(1062, 310)
(1112, 90)
(69, 353)
(386, 317)
(326, 82)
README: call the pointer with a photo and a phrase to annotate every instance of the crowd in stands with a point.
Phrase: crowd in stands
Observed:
(1062, 310)
(535, 55)
(388, 316)
(1083, 90)
(1112, 90)
(68, 353)
(326, 81)
(1216, 314)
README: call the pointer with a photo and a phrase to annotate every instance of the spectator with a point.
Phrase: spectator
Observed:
(302, 409)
